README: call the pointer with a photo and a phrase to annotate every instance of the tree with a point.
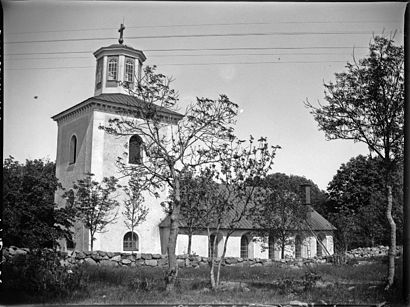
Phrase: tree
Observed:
(194, 190)
(280, 214)
(241, 166)
(30, 216)
(135, 211)
(355, 202)
(279, 210)
(93, 203)
(172, 144)
(366, 104)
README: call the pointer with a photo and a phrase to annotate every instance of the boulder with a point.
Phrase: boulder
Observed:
(151, 262)
(126, 261)
(116, 258)
(231, 260)
(90, 261)
(156, 256)
(146, 256)
(105, 262)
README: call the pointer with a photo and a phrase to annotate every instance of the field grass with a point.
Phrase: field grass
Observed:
(359, 284)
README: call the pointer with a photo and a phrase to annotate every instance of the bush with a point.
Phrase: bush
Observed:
(38, 276)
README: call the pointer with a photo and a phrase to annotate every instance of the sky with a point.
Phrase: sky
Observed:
(268, 57)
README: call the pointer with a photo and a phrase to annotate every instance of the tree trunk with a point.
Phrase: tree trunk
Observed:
(189, 242)
(392, 249)
(282, 252)
(92, 240)
(221, 260)
(211, 261)
(172, 241)
(172, 258)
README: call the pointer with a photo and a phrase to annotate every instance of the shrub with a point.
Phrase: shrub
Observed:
(38, 276)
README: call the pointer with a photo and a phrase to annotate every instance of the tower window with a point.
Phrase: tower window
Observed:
(130, 242)
(135, 150)
(73, 150)
(98, 74)
(112, 71)
(129, 70)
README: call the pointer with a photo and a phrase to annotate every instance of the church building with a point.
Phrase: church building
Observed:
(82, 147)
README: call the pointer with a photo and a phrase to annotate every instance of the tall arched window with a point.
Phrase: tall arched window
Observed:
(135, 150)
(244, 246)
(298, 247)
(319, 245)
(129, 69)
(130, 242)
(112, 71)
(73, 150)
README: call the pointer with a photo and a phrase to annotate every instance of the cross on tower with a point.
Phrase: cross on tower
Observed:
(121, 30)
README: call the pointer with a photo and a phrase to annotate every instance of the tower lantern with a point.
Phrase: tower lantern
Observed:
(118, 67)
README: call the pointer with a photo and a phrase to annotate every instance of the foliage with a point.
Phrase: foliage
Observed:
(366, 104)
(193, 192)
(279, 213)
(172, 143)
(135, 211)
(30, 217)
(40, 276)
(240, 166)
(355, 203)
(279, 210)
(94, 203)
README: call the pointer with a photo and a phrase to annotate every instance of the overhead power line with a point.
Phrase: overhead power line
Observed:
(215, 24)
(190, 64)
(205, 49)
(186, 55)
(190, 36)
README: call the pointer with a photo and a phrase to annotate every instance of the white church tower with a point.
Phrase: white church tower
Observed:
(84, 148)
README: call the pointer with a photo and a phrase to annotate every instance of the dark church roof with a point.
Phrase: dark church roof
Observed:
(116, 100)
(315, 222)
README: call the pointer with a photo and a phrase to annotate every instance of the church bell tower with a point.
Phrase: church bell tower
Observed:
(118, 67)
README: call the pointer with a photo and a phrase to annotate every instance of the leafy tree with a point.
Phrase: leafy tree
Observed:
(172, 144)
(279, 210)
(30, 216)
(355, 203)
(240, 166)
(279, 213)
(94, 203)
(366, 104)
(135, 211)
(194, 190)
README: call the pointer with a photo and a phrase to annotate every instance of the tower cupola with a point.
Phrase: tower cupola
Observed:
(118, 67)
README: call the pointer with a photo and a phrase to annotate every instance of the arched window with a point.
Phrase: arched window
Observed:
(73, 149)
(319, 245)
(112, 70)
(211, 243)
(135, 150)
(271, 247)
(244, 246)
(298, 247)
(130, 242)
(129, 70)
(98, 74)
(214, 240)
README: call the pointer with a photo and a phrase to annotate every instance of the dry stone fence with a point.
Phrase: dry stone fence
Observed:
(157, 260)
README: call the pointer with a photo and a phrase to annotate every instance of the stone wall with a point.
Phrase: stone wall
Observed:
(148, 260)
(369, 252)
(158, 260)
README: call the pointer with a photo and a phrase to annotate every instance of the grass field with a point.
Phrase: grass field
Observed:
(358, 284)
